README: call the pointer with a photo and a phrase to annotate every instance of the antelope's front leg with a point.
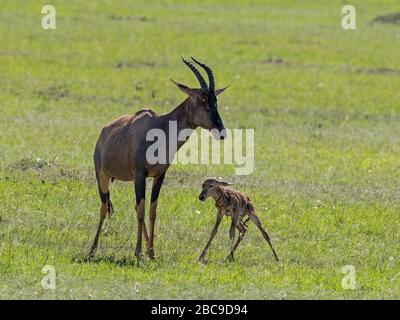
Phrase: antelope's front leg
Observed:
(213, 234)
(140, 191)
(232, 237)
(155, 192)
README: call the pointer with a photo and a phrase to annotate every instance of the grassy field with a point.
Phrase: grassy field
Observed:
(324, 103)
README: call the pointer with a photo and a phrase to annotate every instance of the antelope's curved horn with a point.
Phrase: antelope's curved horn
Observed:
(210, 74)
(198, 75)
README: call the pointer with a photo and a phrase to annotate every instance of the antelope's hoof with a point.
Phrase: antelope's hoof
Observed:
(92, 253)
(151, 255)
(202, 260)
(139, 256)
(230, 258)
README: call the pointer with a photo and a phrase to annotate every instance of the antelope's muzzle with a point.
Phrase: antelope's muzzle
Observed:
(219, 134)
(202, 196)
(222, 133)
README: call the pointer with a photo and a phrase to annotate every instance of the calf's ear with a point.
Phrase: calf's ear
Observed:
(224, 183)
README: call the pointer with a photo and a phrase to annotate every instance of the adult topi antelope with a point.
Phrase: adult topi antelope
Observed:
(120, 151)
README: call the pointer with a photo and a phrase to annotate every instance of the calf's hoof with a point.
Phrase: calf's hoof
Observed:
(202, 260)
(91, 253)
(230, 258)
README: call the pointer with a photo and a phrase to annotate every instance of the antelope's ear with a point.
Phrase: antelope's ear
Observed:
(219, 91)
(185, 89)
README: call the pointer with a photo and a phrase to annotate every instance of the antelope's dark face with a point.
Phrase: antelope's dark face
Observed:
(205, 114)
(204, 104)
(209, 188)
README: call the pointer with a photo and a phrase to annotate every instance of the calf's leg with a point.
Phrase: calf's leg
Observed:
(242, 230)
(213, 233)
(232, 237)
(253, 216)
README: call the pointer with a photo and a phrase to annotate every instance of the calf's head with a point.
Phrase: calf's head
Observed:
(209, 188)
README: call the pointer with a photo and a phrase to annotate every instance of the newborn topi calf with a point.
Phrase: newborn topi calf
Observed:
(235, 204)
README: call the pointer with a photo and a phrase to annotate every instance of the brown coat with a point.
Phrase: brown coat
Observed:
(120, 151)
(236, 205)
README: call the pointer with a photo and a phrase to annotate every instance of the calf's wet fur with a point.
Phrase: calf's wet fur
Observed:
(238, 206)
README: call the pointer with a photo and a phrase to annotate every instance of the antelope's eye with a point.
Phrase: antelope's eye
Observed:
(203, 100)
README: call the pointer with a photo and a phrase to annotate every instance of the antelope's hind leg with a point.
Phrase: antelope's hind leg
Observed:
(253, 217)
(242, 230)
(103, 182)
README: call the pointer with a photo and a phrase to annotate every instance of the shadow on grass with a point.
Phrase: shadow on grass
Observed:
(120, 262)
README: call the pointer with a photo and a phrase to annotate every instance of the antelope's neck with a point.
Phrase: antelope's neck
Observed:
(179, 120)
(219, 197)
(181, 114)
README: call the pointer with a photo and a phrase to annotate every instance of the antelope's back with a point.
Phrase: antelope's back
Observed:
(120, 141)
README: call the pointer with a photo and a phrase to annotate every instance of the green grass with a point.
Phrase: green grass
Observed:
(327, 147)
